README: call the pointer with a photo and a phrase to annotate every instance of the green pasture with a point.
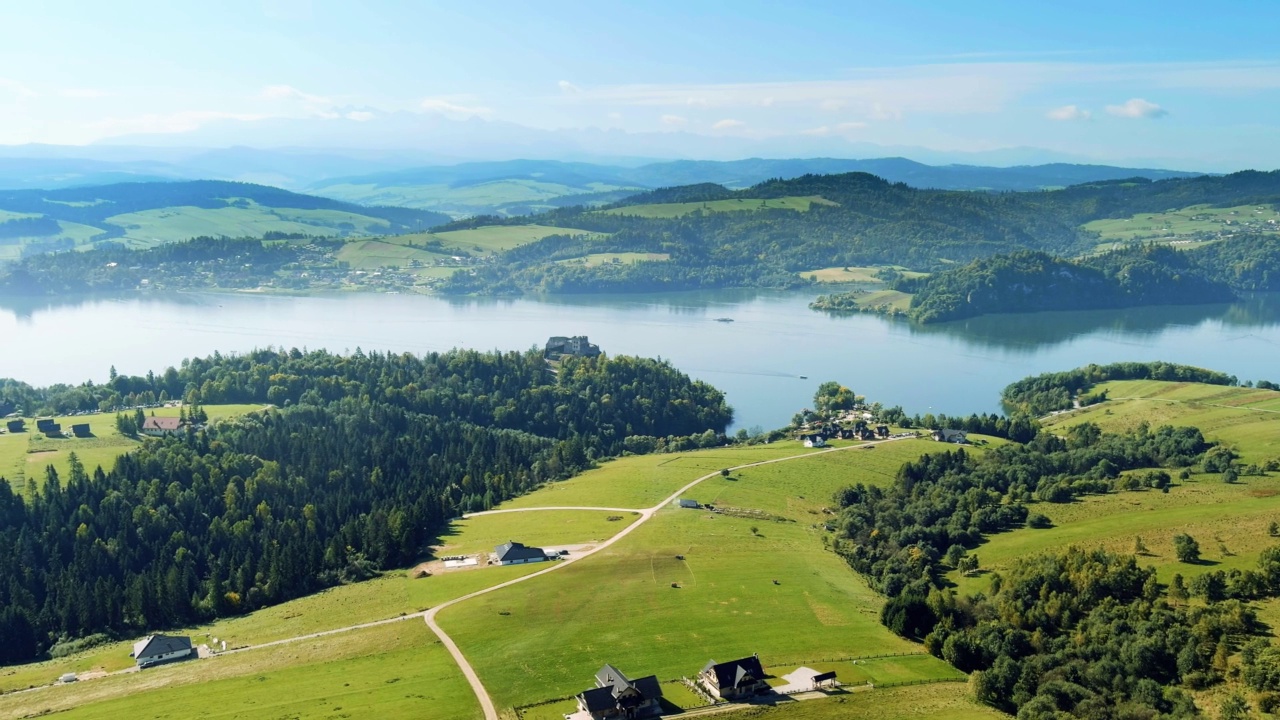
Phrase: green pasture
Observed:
(500, 237)
(398, 670)
(379, 253)
(674, 210)
(854, 274)
(1196, 221)
(919, 667)
(625, 258)
(641, 481)
(1247, 419)
(153, 227)
(543, 528)
(25, 456)
(940, 701)
(546, 637)
(885, 301)
(1228, 521)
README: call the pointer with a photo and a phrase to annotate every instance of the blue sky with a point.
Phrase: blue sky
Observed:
(1178, 82)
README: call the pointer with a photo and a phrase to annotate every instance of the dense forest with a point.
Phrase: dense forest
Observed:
(1074, 633)
(866, 221)
(361, 464)
(1031, 281)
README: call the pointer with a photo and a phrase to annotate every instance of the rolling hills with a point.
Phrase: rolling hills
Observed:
(149, 214)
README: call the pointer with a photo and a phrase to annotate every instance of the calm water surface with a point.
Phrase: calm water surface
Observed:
(758, 359)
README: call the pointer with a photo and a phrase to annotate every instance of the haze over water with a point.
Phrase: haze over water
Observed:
(758, 359)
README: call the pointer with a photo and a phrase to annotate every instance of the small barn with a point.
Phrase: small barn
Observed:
(46, 425)
(81, 430)
(691, 504)
(514, 553)
(812, 441)
(159, 649)
(740, 678)
(16, 426)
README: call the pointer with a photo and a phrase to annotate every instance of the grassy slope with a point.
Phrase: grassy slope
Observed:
(397, 670)
(400, 250)
(597, 259)
(856, 274)
(541, 529)
(1186, 223)
(673, 210)
(1231, 517)
(154, 227)
(619, 606)
(25, 455)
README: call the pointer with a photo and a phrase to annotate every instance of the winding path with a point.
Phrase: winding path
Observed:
(482, 695)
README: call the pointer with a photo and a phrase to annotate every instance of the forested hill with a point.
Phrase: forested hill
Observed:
(364, 462)
(712, 237)
(1032, 281)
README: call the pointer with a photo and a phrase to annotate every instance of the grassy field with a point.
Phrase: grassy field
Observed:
(597, 259)
(1229, 521)
(944, 701)
(854, 274)
(1247, 419)
(550, 528)
(1195, 222)
(499, 237)
(886, 300)
(641, 481)
(25, 455)
(154, 227)
(674, 210)
(397, 670)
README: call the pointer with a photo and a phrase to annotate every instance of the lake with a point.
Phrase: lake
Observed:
(769, 360)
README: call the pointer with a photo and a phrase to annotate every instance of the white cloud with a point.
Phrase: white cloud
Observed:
(16, 88)
(167, 123)
(728, 124)
(452, 109)
(673, 120)
(569, 88)
(1068, 112)
(360, 115)
(1137, 108)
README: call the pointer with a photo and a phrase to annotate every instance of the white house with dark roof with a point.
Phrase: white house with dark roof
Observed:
(616, 696)
(158, 649)
(158, 426)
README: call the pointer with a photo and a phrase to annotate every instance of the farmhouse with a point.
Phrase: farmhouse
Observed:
(732, 680)
(81, 430)
(615, 696)
(812, 441)
(158, 426)
(16, 426)
(158, 649)
(514, 553)
(951, 436)
(577, 345)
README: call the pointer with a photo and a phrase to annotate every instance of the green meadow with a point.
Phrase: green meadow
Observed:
(547, 528)
(395, 670)
(1229, 521)
(944, 701)
(674, 210)
(598, 259)
(154, 227)
(855, 274)
(24, 456)
(1194, 222)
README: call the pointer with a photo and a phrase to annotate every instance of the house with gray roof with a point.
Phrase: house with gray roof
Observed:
(514, 553)
(740, 678)
(616, 696)
(158, 649)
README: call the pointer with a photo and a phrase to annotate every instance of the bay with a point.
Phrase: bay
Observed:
(768, 360)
